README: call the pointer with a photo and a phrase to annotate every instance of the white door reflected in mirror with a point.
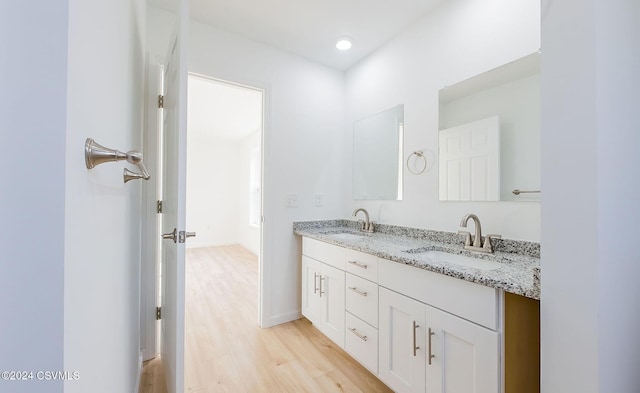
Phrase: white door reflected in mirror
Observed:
(469, 167)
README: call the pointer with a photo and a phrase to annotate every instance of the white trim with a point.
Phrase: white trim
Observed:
(150, 222)
(283, 318)
(139, 376)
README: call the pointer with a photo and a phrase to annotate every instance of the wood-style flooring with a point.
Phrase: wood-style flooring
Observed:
(227, 352)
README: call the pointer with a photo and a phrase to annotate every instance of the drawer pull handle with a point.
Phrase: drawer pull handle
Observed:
(415, 347)
(315, 282)
(321, 291)
(431, 355)
(357, 333)
(359, 292)
(358, 264)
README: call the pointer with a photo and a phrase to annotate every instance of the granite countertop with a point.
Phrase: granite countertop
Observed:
(518, 262)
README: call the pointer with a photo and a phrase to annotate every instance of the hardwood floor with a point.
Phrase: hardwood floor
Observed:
(227, 352)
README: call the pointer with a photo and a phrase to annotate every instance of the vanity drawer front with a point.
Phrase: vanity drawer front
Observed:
(474, 302)
(362, 299)
(361, 342)
(323, 252)
(361, 264)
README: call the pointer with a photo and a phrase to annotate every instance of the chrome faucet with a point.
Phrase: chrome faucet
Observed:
(367, 226)
(478, 243)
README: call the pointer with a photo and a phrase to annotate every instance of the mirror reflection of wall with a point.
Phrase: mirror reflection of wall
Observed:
(511, 92)
(377, 155)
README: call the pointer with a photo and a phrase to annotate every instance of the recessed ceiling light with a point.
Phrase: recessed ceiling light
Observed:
(343, 44)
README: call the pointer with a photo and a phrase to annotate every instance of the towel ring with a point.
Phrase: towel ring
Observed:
(417, 153)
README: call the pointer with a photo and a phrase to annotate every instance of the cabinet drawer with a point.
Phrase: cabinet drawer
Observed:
(362, 299)
(471, 301)
(361, 264)
(323, 252)
(361, 342)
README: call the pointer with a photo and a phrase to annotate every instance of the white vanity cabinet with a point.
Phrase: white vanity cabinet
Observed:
(424, 349)
(421, 331)
(323, 288)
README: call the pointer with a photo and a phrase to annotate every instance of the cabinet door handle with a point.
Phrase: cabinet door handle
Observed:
(315, 282)
(357, 333)
(321, 291)
(358, 264)
(359, 292)
(415, 347)
(431, 355)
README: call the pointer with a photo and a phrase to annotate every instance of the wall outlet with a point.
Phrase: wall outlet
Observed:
(292, 200)
(318, 200)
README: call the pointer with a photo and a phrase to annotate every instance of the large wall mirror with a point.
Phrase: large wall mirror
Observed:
(489, 138)
(377, 155)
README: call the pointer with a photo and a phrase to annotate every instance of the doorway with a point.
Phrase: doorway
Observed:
(224, 164)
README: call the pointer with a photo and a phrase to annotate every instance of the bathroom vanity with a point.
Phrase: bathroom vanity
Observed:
(422, 313)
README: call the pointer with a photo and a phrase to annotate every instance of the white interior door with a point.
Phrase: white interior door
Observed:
(174, 202)
(469, 163)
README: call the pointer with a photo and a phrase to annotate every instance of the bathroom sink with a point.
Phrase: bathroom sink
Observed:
(346, 236)
(455, 259)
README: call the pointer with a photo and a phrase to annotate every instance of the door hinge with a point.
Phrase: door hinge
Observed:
(159, 206)
(160, 101)
(158, 313)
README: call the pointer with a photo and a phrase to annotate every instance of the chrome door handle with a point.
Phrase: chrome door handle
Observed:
(171, 236)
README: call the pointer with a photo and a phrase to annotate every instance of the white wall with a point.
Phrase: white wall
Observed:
(102, 214)
(213, 186)
(33, 81)
(590, 316)
(459, 39)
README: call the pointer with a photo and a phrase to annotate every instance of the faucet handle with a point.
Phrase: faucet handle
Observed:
(487, 242)
(372, 226)
(467, 239)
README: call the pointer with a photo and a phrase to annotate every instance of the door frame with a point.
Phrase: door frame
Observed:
(264, 258)
(151, 220)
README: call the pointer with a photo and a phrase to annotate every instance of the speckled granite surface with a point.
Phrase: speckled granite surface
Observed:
(517, 261)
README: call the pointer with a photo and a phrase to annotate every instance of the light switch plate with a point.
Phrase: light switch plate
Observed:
(318, 200)
(292, 200)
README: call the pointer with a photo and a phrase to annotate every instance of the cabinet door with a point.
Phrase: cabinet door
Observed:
(401, 339)
(465, 355)
(331, 291)
(311, 271)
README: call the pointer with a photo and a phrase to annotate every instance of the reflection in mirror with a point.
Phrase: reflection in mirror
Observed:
(377, 155)
(486, 160)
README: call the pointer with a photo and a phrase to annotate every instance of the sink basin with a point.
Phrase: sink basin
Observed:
(461, 260)
(346, 236)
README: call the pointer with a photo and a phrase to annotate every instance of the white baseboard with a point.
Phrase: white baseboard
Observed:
(137, 387)
(283, 318)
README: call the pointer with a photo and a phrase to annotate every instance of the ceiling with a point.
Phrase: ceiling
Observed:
(310, 28)
(222, 110)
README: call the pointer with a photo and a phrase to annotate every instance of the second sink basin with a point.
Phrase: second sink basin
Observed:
(346, 236)
(461, 260)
